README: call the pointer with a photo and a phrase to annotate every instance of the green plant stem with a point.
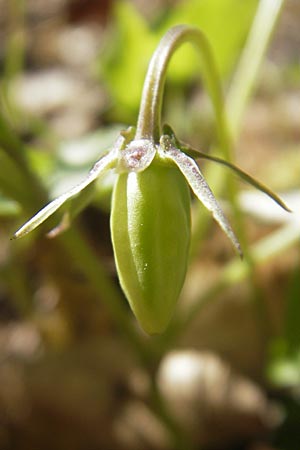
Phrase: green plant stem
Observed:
(15, 47)
(34, 194)
(245, 76)
(16, 280)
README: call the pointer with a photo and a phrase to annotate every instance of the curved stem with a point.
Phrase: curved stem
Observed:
(149, 120)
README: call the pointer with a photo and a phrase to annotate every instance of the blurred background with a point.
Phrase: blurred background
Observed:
(75, 369)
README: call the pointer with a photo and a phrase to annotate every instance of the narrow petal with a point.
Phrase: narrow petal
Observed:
(105, 163)
(200, 187)
(243, 175)
(196, 154)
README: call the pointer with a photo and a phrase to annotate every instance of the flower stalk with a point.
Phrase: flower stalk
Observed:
(149, 124)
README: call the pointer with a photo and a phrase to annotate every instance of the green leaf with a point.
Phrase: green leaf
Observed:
(13, 181)
(123, 63)
(8, 207)
(224, 22)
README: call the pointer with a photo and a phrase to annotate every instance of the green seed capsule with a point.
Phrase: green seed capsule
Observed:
(150, 226)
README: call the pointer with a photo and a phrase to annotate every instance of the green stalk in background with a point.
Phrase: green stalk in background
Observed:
(245, 76)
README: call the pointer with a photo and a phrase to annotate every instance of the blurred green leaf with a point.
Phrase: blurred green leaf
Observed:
(285, 371)
(124, 63)
(284, 366)
(292, 329)
(8, 207)
(13, 181)
(218, 20)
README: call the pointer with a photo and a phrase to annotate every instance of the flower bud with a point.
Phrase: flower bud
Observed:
(150, 226)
